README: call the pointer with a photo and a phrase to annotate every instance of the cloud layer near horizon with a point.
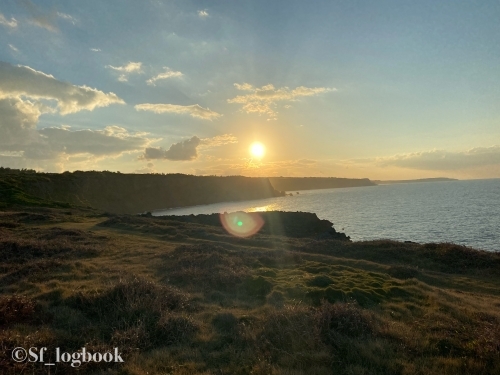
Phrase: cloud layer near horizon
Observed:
(442, 160)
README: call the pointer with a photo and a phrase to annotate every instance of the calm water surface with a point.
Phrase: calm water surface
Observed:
(463, 212)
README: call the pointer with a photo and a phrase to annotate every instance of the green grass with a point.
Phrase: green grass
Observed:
(185, 298)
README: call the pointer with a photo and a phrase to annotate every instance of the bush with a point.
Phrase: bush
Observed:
(225, 323)
(17, 309)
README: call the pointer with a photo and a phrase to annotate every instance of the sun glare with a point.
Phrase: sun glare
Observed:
(257, 149)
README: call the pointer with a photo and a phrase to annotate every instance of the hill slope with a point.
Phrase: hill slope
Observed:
(133, 193)
(180, 297)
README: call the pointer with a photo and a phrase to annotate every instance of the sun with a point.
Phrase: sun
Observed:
(257, 150)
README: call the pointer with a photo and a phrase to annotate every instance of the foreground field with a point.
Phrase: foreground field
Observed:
(187, 298)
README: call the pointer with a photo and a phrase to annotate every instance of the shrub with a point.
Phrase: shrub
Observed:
(401, 272)
(342, 318)
(17, 309)
(225, 323)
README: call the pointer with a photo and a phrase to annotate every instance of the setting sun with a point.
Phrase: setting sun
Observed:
(257, 149)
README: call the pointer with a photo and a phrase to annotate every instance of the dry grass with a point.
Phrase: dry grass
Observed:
(183, 298)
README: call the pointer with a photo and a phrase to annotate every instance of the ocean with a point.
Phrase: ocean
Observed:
(462, 212)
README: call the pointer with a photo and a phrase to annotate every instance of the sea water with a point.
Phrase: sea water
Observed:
(462, 212)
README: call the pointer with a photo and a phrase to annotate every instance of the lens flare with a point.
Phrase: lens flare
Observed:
(241, 224)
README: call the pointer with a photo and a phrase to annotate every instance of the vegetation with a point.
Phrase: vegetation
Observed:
(127, 193)
(180, 297)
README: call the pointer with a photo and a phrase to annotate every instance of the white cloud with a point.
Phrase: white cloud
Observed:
(203, 13)
(13, 48)
(23, 81)
(126, 70)
(184, 150)
(243, 87)
(12, 23)
(263, 100)
(66, 17)
(192, 110)
(168, 73)
(95, 49)
(131, 67)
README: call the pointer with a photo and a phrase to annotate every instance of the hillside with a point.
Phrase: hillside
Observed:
(129, 193)
(181, 296)
(310, 183)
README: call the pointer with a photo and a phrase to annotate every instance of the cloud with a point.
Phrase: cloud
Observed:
(18, 120)
(187, 149)
(441, 160)
(19, 133)
(184, 150)
(168, 73)
(203, 13)
(218, 140)
(192, 110)
(149, 168)
(131, 67)
(126, 70)
(23, 81)
(66, 17)
(46, 20)
(13, 48)
(26, 94)
(95, 49)
(5, 22)
(112, 140)
(263, 100)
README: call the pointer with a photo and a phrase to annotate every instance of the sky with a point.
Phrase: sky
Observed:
(361, 89)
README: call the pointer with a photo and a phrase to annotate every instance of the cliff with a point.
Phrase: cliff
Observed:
(278, 223)
(134, 193)
(310, 183)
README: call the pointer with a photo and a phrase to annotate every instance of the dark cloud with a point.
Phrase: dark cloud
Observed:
(112, 140)
(185, 150)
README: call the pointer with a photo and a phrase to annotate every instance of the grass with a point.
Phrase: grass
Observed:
(185, 298)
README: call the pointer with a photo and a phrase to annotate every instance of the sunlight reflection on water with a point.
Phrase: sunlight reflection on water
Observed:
(463, 212)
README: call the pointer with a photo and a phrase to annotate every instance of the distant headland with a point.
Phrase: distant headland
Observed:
(436, 179)
(310, 183)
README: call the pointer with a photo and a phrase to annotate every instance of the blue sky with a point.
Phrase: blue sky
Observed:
(385, 89)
